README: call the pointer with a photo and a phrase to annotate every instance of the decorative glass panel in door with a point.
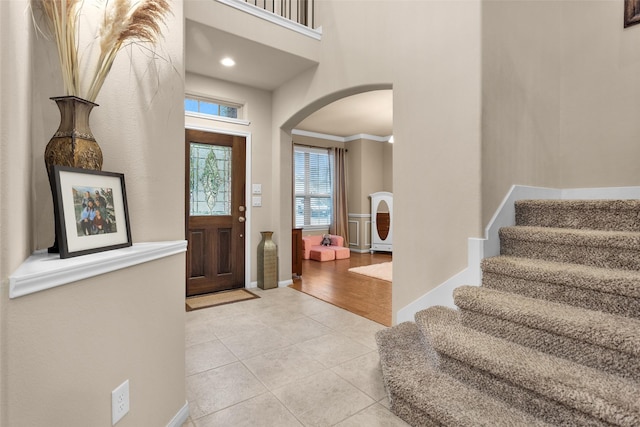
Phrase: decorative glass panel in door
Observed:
(210, 180)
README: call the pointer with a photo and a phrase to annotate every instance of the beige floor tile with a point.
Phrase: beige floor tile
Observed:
(385, 402)
(235, 325)
(337, 318)
(280, 367)
(364, 332)
(198, 332)
(319, 360)
(207, 355)
(374, 416)
(255, 342)
(310, 306)
(323, 399)
(302, 329)
(333, 349)
(365, 373)
(264, 410)
(219, 388)
(277, 313)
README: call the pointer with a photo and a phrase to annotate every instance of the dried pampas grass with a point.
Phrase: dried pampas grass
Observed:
(124, 22)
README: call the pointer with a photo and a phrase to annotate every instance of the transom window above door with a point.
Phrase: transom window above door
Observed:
(212, 108)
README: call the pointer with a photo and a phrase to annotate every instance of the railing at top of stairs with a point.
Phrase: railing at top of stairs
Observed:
(300, 11)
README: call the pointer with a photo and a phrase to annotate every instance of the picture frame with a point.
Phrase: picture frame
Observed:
(631, 12)
(91, 213)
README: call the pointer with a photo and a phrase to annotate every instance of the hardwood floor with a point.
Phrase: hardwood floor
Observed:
(332, 282)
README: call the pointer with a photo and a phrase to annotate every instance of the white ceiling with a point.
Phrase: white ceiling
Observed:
(257, 65)
(369, 112)
(263, 67)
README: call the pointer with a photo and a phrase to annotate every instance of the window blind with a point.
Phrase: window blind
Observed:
(313, 187)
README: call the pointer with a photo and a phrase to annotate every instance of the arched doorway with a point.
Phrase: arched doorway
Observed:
(362, 125)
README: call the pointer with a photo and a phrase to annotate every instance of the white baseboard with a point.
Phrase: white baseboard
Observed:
(477, 249)
(181, 417)
(359, 251)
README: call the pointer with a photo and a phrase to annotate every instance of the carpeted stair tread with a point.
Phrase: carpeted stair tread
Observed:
(619, 282)
(611, 215)
(583, 336)
(584, 390)
(613, 291)
(602, 329)
(605, 249)
(423, 396)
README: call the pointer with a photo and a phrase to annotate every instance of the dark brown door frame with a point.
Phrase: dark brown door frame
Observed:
(248, 160)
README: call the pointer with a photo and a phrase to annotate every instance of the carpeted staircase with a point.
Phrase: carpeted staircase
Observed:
(552, 337)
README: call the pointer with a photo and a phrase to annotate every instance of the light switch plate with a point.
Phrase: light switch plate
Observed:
(257, 189)
(256, 201)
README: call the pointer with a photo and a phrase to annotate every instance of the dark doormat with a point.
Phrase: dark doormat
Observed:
(218, 298)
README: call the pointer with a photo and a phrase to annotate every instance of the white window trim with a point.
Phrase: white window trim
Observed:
(217, 118)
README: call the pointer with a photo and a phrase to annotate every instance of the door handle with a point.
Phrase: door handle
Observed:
(241, 219)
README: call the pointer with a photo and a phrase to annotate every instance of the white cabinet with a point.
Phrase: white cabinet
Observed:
(381, 221)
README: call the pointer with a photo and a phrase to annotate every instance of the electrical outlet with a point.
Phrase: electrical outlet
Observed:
(119, 402)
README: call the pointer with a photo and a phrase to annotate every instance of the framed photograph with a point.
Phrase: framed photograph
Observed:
(631, 12)
(91, 211)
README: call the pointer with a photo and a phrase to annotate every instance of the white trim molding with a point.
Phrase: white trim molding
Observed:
(354, 215)
(43, 271)
(240, 122)
(181, 416)
(489, 246)
(336, 138)
(357, 242)
(274, 18)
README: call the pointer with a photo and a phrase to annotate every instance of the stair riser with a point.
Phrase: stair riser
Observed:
(523, 399)
(603, 257)
(578, 218)
(605, 359)
(412, 415)
(593, 300)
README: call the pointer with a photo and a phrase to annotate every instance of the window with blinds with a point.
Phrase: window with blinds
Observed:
(313, 187)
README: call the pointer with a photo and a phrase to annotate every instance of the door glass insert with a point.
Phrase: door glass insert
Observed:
(210, 180)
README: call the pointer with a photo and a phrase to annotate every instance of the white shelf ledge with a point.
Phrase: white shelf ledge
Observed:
(44, 271)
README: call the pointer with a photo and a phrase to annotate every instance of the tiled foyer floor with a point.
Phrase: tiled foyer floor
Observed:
(285, 359)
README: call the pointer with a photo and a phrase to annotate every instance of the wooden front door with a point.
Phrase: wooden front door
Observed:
(215, 211)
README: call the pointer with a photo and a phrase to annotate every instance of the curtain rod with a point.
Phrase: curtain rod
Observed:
(316, 146)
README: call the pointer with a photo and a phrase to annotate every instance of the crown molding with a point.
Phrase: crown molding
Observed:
(340, 138)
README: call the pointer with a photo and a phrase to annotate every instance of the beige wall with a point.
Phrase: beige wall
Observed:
(64, 350)
(68, 347)
(560, 97)
(257, 110)
(427, 52)
(367, 163)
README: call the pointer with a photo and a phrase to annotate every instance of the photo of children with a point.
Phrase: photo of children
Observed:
(95, 213)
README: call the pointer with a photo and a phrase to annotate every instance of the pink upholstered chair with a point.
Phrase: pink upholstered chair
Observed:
(313, 248)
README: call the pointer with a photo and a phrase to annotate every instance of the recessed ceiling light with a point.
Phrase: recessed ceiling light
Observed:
(227, 62)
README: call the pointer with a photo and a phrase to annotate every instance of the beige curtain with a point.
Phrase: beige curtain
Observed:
(340, 224)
